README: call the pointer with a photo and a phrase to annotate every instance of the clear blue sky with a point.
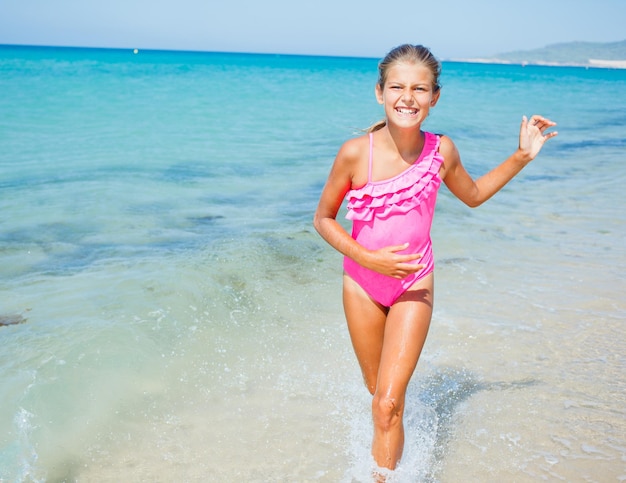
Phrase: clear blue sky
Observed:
(451, 28)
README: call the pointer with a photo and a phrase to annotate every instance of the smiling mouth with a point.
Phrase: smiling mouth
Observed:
(406, 111)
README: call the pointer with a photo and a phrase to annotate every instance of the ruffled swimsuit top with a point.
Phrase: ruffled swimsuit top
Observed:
(393, 212)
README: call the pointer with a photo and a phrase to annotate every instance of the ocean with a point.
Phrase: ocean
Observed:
(180, 319)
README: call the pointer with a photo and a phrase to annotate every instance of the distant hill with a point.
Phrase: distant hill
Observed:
(592, 54)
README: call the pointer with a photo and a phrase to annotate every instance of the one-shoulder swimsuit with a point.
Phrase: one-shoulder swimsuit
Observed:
(393, 212)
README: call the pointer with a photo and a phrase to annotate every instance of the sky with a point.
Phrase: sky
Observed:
(453, 29)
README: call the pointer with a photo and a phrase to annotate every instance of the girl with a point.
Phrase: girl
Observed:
(390, 178)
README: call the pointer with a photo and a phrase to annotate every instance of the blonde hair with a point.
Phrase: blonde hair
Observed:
(415, 54)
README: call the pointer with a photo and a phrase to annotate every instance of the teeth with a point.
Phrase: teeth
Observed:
(406, 111)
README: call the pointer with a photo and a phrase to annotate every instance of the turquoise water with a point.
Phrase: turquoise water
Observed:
(183, 321)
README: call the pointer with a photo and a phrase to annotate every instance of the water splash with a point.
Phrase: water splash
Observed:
(19, 460)
(432, 401)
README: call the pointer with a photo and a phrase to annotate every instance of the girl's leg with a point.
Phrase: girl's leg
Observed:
(366, 324)
(405, 332)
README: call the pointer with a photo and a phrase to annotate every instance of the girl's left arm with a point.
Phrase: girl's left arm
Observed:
(474, 193)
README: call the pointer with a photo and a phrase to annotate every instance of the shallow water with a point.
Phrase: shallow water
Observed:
(184, 322)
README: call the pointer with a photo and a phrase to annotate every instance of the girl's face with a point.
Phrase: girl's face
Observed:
(408, 94)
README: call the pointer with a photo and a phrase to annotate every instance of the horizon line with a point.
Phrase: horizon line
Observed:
(468, 60)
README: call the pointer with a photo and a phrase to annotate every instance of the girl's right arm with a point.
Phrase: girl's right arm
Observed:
(385, 260)
(337, 185)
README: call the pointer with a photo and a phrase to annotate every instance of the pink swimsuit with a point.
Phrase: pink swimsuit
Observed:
(393, 212)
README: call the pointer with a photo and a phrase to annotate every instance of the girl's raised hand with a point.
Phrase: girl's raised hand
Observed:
(533, 134)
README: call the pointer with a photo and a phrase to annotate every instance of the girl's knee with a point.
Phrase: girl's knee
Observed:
(386, 411)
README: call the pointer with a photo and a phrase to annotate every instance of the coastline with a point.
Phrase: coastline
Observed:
(593, 63)
(589, 63)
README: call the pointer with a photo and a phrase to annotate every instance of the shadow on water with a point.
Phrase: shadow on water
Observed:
(592, 143)
(445, 391)
(67, 248)
(11, 319)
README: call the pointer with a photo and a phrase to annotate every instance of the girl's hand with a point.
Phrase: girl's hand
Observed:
(388, 262)
(532, 137)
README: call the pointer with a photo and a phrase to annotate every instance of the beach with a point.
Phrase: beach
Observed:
(182, 320)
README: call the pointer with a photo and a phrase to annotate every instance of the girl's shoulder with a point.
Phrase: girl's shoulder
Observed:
(449, 153)
(355, 149)
(446, 145)
(352, 160)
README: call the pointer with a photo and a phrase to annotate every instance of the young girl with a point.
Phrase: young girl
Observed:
(390, 178)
